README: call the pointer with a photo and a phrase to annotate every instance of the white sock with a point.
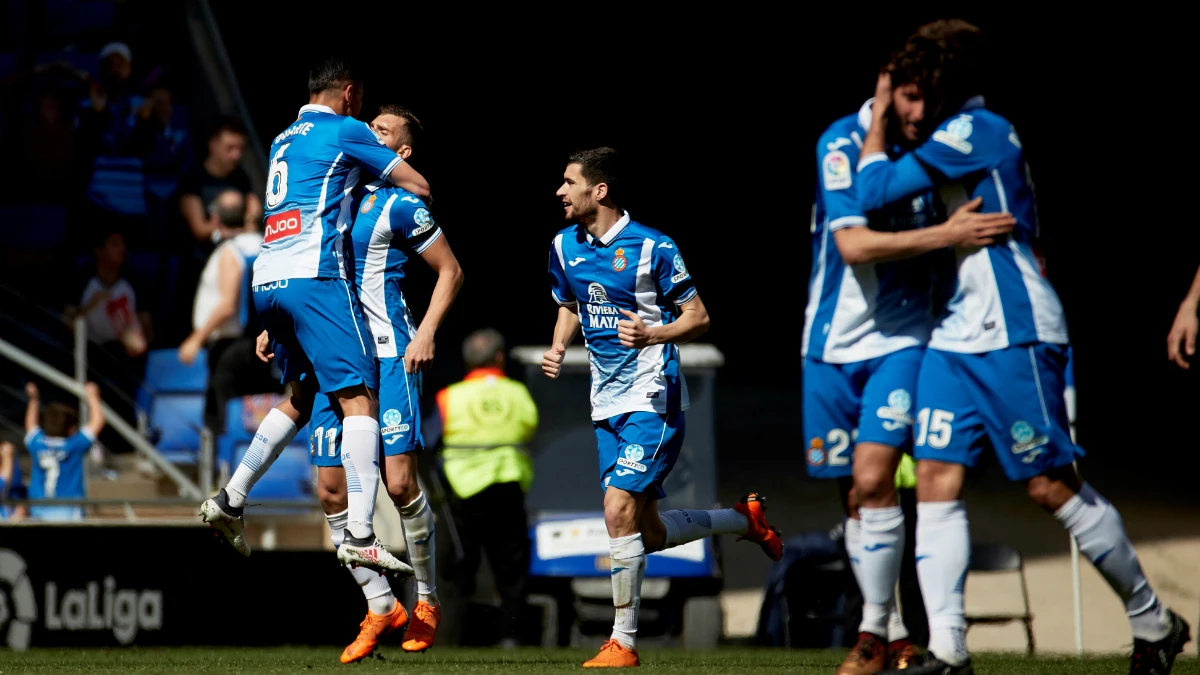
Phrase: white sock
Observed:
(374, 586)
(274, 434)
(943, 553)
(882, 545)
(684, 525)
(896, 628)
(852, 539)
(418, 536)
(1100, 533)
(628, 557)
(360, 459)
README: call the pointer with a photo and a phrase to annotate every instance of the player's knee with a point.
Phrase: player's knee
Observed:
(402, 487)
(939, 481)
(1049, 493)
(332, 495)
(620, 516)
(873, 484)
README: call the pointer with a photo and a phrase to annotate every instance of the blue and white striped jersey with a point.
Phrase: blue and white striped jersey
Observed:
(639, 269)
(1000, 297)
(860, 312)
(314, 169)
(391, 226)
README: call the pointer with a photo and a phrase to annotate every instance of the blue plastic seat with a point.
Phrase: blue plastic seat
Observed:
(242, 417)
(177, 420)
(290, 477)
(172, 394)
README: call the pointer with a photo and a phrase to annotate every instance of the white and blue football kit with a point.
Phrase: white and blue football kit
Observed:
(638, 396)
(391, 227)
(994, 373)
(57, 472)
(865, 326)
(300, 288)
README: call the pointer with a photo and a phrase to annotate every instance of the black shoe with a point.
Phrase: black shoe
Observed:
(932, 665)
(1156, 658)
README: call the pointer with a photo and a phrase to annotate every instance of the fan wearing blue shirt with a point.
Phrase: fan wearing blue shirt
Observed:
(994, 372)
(59, 448)
(11, 484)
(627, 287)
(307, 308)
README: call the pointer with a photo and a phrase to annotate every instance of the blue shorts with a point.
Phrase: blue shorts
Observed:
(638, 449)
(865, 402)
(399, 417)
(1010, 399)
(317, 331)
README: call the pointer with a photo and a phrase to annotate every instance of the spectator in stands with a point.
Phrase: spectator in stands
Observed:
(59, 447)
(11, 486)
(49, 139)
(163, 142)
(221, 170)
(222, 313)
(106, 121)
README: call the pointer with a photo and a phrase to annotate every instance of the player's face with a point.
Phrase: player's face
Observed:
(577, 197)
(227, 149)
(909, 103)
(390, 130)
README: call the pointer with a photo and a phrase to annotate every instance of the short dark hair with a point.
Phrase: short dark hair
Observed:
(230, 215)
(945, 58)
(412, 125)
(481, 347)
(58, 418)
(233, 125)
(332, 73)
(601, 165)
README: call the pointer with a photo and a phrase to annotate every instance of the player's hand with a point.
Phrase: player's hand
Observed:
(633, 332)
(969, 229)
(92, 390)
(883, 94)
(1181, 341)
(261, 345)
(188, 351)
(552, 360)
(31, 390)
(419, 354)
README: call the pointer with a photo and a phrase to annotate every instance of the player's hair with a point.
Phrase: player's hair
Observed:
(945, 58)
(332, 73)
(223, 123)
(601, 165)
(480, 348)
(412, 125)
(229, 212)
(58, 418)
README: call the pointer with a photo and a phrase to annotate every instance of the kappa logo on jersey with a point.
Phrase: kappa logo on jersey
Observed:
(1027, 440)
(680, 268)
(835, 169)
(423, 220)
(619, 263)
(896, 411)
(368, 203)
(633, 454)
(282, 226)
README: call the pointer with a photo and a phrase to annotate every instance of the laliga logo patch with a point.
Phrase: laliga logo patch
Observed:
(816, 452)
(619, 262)
(368, 203)
(18, 607)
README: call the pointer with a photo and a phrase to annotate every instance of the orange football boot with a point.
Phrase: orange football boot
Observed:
(614, 655)
(754, 507)
(374, 627)
(420, 633)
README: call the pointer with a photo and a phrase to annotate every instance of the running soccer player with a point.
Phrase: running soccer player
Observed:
(307, 308)
(391, 227)
(866, 325)
(628, 287)
(993, 374)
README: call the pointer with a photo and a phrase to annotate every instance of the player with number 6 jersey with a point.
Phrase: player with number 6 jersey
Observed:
(310, 314)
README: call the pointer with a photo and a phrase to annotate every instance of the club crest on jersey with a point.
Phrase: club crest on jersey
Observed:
(282, 226)
(368, 203)
(816, 452)
(619, 262)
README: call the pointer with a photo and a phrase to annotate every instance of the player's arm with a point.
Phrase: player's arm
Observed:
(192, 209)
(32, 407)
(95, 423)
(360, 144)
(966, 228)
(441, 260)
(229, 281)
(566, 326)
(675, 285)
(1181, 341)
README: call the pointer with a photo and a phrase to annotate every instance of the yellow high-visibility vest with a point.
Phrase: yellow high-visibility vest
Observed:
(488, 421)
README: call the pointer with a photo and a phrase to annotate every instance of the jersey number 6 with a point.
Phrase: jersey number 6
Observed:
(277, 175)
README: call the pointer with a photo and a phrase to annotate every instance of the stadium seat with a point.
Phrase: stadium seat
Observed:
(242, 417)
(172, 395)
(290, 477)
(118, 185)
(998, 558)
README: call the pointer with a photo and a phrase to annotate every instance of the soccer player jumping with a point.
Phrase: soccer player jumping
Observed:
(993, 374)
(312, 317)
(628, 286)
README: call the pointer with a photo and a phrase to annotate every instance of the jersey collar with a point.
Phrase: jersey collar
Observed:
(315, 107)
(480, 373)
(612, 231)
(865, 116)
(973, 102)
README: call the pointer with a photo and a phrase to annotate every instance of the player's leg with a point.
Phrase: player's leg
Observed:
(400, 420)
(948, 438)
(1031, 432)
(884, 432)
